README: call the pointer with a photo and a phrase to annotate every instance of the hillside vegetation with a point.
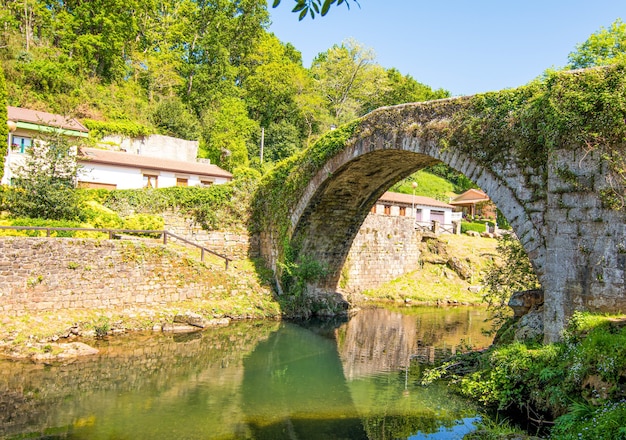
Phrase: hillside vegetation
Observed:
(207, 71)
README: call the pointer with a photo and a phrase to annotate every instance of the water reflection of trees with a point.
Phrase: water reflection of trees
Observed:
(385, 340)
(78, 398)
(249, 380)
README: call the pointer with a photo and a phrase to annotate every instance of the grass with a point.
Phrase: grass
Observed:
(433, 281)
(428, 185)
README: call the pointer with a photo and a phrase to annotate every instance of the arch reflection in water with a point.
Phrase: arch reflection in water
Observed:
(249, 380)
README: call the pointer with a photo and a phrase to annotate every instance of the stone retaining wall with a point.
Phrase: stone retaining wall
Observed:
(41, 274)
(385, 248)
(234, 245)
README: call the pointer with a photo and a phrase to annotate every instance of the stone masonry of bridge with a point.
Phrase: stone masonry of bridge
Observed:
(577, 246)
(385, 248)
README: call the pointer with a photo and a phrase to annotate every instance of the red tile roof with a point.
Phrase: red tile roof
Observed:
(19, 114)
(130, 160)
(470, 196)
(408, 199)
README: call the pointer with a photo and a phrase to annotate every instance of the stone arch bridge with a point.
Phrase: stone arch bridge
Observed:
(558, 188)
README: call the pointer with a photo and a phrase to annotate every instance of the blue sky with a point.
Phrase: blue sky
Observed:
(464, 46)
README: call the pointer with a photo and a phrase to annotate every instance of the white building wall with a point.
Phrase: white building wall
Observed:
(132, 178)
(123, 178)
(426, 212)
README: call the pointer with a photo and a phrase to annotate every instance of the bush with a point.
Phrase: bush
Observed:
(579, 380)
(144, 222)
(38, 222)
(474, 226)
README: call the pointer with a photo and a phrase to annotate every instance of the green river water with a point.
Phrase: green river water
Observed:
(252, 380)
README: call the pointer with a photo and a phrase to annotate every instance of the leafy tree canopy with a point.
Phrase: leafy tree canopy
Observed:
(607, 46)
(315, 7)
(175, 66)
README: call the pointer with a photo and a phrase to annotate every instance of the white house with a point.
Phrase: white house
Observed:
(117, 170)
(111, 169)
(425, 210)
(26, 125)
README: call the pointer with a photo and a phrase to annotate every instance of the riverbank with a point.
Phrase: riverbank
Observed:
(573, 389)
(450, 272)
(215, 295)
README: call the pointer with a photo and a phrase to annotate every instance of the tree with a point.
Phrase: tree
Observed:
(4, 132)
(348, 78)
(280, 95)
(313, 7)
(173, 119)
(100, 34)
(607, 46)
(227, 131)
(401, 89)
(220, 35)
(44, 186)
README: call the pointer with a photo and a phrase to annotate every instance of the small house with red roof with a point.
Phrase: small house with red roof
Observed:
(475, 203)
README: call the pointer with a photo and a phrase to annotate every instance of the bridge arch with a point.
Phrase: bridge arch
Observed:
(552, 191)
(339, 197)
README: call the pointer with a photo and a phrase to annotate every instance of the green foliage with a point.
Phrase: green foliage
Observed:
(41, 223)
(513, 273)
(144, 222)
(461, 183)
(280, 188)
(97, 215)
(565, 110)
(216, 207)
(226, 130)
(43, 187)
(607, 46)
(49, 76)
(102, 326)
(299, 270)
(578, 380)
(348, 78)
(428, 185)
(314, 7)
(99, 129)
(474, 226)
(172, 118)
(607, 422)
(4, 131)
(399, 89)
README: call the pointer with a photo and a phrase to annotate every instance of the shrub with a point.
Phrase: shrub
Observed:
(474, 226)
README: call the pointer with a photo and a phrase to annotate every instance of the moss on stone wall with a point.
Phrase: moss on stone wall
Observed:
(518, 130)
(278, 194)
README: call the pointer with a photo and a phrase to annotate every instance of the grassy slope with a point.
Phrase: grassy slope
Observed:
(428, 185)
(435, 281)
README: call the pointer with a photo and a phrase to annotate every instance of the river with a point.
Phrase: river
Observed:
(252, 380)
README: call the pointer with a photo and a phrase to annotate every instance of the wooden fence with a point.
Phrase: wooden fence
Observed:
(117, 234)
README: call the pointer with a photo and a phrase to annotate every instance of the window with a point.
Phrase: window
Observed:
(150, 181)
(387, 210)
(181, 181)
(206, 182)
(374, 209)
(21, 143)
(403, 211)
